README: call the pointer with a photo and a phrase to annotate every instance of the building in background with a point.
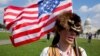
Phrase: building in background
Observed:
(87, 26)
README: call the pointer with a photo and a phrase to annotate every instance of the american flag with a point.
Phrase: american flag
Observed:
(28, 24)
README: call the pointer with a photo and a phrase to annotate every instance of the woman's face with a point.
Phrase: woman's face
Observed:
(67, 36)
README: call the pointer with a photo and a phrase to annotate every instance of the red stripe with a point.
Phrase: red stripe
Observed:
(30, 18)
(31, 12)
(33, 6)
(8, 20)
(28, 12)
(33, 30)
(14, 8)
(10, 13)
(70, 11)
(63, 7)
(28, 40)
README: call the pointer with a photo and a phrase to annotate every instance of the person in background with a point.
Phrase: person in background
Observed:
(48, 36)
(66, 29)
(89, 37)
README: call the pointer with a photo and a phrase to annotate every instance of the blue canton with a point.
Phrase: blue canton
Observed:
(47, 6)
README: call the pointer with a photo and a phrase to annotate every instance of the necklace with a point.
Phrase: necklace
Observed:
(66, 53)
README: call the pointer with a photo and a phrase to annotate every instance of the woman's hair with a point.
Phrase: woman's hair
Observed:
(56, 39)
(68, 21)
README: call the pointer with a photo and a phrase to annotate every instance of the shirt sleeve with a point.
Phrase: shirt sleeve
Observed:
(83, 52)
(44, 52)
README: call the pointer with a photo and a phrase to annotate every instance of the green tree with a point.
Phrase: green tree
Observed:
(98, 31)
(2, 26)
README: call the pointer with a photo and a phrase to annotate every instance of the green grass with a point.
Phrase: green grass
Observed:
(4, 35)
(92, 49)
(34, 49)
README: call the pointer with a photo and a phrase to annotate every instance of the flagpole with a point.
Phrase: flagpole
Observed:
(76, 47)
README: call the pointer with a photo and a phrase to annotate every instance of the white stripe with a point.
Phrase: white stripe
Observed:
(30, 36)
(26, 21)
(10, 16)
(64, 3)
(31, 9)
(13, 11)
(43, 15)
(30, 15)
(60, 11)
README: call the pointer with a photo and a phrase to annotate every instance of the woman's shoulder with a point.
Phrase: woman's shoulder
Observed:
(81, 49)
(46, 48)
(44, 52)
(83, 52)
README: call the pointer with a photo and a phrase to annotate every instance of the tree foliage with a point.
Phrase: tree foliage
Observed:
(2, 26)
(98, 31)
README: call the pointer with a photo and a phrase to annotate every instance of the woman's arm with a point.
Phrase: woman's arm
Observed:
(83, 52)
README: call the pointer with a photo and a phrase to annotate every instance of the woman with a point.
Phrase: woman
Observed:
(67, 28)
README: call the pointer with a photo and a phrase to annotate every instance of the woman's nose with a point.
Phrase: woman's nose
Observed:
(73, 33)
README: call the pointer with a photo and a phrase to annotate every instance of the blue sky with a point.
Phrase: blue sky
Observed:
(84, 8)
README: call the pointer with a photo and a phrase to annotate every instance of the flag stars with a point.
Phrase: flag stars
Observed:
(48, 6)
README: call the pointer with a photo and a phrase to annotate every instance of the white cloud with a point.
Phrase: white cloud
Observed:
(97, 16)
(96, 20)
(84, 8)
(96, 8)
(4, 1)
(31, 2)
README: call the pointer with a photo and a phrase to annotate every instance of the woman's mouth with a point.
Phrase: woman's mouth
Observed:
(71, 38)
